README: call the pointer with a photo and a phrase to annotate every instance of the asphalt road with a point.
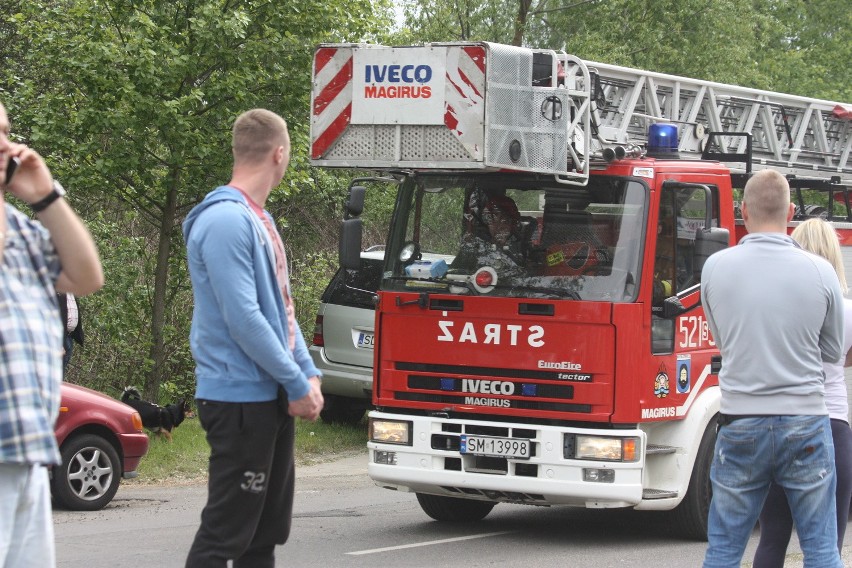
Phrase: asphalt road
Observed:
(342, 519)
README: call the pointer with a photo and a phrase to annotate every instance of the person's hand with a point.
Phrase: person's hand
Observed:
(309, 406)
(32, 180)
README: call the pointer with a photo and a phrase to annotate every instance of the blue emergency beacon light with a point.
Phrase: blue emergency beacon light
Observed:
(662, 141)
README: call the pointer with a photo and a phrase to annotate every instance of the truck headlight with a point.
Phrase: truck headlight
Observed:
(602, 448)
(390, 431)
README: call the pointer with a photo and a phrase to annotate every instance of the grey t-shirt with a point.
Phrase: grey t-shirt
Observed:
(776, 313)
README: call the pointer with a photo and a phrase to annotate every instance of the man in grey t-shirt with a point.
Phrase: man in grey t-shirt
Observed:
(776, 313)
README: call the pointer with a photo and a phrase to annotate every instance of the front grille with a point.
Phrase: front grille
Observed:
(483, 464)
(443, 442)
(503, 402)
(448, 440)
(526, 469)
(527, 389)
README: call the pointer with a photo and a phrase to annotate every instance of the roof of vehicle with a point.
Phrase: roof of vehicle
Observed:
(376, 252)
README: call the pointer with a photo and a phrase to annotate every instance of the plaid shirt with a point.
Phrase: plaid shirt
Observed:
(30, 344)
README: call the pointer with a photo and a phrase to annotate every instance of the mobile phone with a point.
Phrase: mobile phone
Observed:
(11, 166)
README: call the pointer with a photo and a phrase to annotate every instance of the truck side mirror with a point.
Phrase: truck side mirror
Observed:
(354, 204)
(350, 243)
(707, 241)
(672, 307)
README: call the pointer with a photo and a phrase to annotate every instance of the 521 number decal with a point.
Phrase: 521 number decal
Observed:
(694, 333)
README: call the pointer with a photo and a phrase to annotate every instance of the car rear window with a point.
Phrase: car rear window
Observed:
(355, 287)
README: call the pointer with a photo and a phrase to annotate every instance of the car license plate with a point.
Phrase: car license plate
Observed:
(518, 448)
(365, 339)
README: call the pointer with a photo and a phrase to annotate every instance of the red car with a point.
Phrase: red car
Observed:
(101, 440)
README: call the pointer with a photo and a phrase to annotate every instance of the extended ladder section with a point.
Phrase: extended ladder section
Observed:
(490, 106)
(796, 135)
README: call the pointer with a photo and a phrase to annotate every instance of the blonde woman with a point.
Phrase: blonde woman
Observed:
(776, 521)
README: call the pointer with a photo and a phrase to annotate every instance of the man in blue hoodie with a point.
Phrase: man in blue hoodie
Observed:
(253, 370)
(776, 313)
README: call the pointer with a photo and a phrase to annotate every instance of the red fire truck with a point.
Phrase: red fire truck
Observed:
(539, 331)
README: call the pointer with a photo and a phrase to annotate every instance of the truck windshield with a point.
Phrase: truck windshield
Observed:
(519, 236)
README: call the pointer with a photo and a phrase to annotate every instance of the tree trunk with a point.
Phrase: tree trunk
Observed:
(521, 22)
(157, 353)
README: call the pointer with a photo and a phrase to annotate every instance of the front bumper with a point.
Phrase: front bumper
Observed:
(133, 447)
(547, 478)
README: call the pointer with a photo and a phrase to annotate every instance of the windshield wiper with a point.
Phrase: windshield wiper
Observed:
(422, 301)
(467, 284)
(556, 292)
(447, 283)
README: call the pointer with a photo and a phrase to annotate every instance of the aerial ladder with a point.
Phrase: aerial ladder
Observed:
(500, 101)
(796, 135)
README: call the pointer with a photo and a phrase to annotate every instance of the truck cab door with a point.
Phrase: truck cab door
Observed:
(687, 233)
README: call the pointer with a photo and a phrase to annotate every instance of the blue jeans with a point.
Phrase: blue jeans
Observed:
(776, 521)
(797, 453)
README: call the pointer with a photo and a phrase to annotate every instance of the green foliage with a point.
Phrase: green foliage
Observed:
(462, 20)
(183, 460)
(807, 48)
(315, 441)
(114, 320)
(131, 104)
(310, 273)
(693, 38)
(800, 47)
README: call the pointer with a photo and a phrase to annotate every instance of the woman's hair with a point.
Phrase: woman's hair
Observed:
(819, 237)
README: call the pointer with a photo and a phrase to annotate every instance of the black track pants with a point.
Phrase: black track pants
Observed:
(250, 486)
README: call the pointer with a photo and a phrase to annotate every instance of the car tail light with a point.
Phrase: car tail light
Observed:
(318, 338)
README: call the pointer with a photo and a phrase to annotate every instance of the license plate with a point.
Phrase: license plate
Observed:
(366, 339)
(495, 447)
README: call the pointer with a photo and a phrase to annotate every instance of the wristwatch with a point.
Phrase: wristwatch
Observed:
(57, 192)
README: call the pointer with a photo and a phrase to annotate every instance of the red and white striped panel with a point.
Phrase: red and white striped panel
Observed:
(464, 97)
(464, 102)
(332, 101)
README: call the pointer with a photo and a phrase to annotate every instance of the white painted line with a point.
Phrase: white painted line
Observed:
(429, 543)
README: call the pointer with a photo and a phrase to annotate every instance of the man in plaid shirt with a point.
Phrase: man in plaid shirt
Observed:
(37, 259)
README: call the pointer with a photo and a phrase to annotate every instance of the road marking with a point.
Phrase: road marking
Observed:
(428, 543)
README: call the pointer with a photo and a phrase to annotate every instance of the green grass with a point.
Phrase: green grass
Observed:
(184, 459)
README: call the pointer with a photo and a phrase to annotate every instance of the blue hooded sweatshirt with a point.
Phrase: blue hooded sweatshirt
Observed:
(239, 324)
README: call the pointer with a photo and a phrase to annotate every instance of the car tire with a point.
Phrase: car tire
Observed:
(342, 410)
(89, 475)
(453, 509)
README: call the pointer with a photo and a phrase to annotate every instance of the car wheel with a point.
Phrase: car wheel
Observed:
(342, 410)
(89, 474)
(453, 509)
